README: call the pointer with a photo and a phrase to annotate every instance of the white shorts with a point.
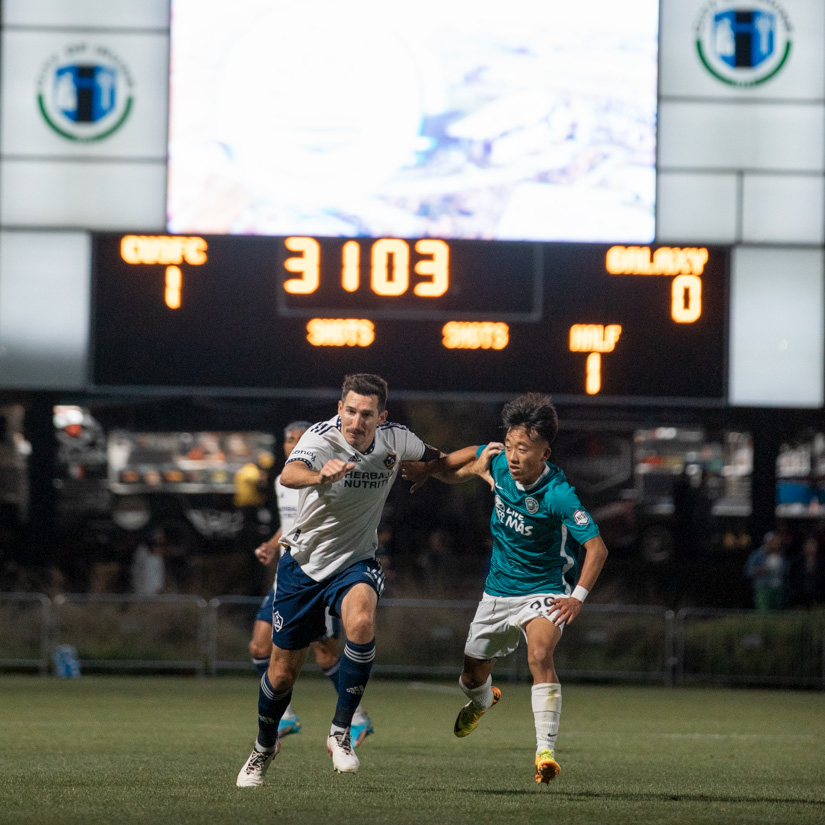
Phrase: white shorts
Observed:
(500, 621)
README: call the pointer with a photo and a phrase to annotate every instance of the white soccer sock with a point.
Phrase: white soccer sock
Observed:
(359, 717)
(482, 696)
(546, 699)
(289, 713)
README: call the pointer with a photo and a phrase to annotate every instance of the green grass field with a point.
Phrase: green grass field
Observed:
(167, 750)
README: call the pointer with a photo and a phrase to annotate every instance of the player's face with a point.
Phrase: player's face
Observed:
(291, 439)
(525, 455)
(359, 419)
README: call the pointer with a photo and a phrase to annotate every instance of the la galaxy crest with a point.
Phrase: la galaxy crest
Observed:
(390, 459)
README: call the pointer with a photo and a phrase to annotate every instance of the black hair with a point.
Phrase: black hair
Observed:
(364, 383)
(534, 412)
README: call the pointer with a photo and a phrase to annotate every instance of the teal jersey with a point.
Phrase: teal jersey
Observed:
(537, 532)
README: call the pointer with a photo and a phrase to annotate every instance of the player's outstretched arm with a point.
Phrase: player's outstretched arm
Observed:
(595, 557)
(297, 475)
(447, 468)
(454, 468)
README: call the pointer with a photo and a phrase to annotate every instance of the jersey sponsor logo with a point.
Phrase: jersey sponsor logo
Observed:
(277, 620)
(512, 519)
(531, 504)
(581, 518)
(367, 479)
(390, 459)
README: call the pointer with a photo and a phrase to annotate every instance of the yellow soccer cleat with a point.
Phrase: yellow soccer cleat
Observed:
(547, 769)
(468, 716)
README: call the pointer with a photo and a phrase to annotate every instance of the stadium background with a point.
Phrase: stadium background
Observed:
(740, 167)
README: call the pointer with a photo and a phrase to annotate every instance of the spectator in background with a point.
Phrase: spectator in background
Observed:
(149, 566)
(807, 575)
(685, 505)
(692, 508)
(250, 489)
(767, 568)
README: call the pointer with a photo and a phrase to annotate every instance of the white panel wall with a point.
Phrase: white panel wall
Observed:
(777, 327)
(110, 196)
(27, 54)
(123, 14)
(698, 207)
(55, 176)
(742, 135)
(746, 165)
(44, 309)
(776, 126)
(681, 73)
(783, 208)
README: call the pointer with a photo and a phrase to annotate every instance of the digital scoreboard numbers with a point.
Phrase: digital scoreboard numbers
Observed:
(427, 279)
(602, 321)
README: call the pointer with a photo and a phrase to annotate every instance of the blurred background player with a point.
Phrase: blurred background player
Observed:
(325, 648)
(344, 468)
(538, 525)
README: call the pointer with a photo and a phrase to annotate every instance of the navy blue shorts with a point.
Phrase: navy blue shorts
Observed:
(301, 604)
(264, 614)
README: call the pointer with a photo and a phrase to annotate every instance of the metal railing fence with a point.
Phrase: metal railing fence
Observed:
(419, 638)
(24, 631)
(745, 647)
(126, 633)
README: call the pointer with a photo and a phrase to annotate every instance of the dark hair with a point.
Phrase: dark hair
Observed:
(303, 426)
(364, 383)
(534, 412)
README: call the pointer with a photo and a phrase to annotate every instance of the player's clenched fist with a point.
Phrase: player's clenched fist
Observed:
(334, 470)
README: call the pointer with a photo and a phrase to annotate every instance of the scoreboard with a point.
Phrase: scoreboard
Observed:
(432, 316)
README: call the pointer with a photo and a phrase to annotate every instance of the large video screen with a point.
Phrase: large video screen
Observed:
(460, 119)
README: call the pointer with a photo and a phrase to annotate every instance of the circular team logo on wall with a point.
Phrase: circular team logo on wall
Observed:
(743, 43)
(85, 93)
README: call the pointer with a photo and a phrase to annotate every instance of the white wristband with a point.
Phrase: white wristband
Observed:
(579, 593)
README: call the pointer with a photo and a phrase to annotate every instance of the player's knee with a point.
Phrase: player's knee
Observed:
(326, 652)
(259, 650)
(325, 659)
(361, 628)
(280, 678)
(471, 681)
(540, 654)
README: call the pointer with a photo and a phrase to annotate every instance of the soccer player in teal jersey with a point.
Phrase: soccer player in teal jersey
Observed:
(538, 526)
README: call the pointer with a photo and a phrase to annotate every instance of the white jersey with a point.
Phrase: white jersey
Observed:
(287, 500)
(336, 524)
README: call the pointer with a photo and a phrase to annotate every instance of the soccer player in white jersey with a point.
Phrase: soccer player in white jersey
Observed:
(344, 469)
(325, 649)
(538, 526)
